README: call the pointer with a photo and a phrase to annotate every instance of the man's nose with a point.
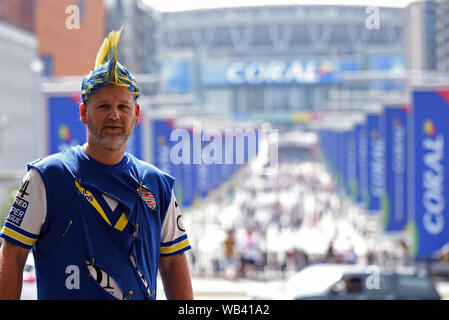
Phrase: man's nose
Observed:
(115, 113)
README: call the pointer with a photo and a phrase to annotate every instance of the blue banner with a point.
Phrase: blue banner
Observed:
(178, 174)
(363, 195)
(351, 162)
(430, 114)
(203, 179)
(343, 152)
(182, 172)
(189, 178)
(394, 200)
(356, 191)
(333, 156)
(375, 147)
(65, 127)
(162, 144)
(134, 145)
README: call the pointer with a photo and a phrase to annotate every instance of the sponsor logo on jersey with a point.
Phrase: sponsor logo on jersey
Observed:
(17, 212)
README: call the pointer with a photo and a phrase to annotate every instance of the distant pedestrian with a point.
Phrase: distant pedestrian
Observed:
(230, 259)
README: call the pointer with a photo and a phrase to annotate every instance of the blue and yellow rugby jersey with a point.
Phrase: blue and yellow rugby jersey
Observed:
(109, 223)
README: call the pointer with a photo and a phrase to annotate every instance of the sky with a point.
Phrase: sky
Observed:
(181, 5)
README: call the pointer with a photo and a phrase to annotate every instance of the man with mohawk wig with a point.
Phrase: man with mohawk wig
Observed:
(101, 223)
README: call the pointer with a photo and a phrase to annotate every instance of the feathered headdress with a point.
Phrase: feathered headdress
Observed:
(108, 71)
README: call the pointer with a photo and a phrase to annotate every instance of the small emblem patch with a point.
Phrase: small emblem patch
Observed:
(148, 197)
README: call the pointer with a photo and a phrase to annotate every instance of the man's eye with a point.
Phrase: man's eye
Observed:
(103, 106)
(124, 107)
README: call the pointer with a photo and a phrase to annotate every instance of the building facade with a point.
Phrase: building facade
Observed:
(69, 32)
(18, 12)
(420, 30)
(273, 59)
(427, 36)
(20, 110)
(137, 48)
(442, 35)
(68, 48)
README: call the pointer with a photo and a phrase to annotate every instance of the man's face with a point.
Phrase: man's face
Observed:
(110, 115)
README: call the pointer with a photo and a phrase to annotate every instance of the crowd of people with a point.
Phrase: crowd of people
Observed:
(271, 225)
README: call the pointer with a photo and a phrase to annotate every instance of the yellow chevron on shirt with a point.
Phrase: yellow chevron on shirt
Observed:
(122, 222)
(90, 197)
(175, 247)
(17, 236)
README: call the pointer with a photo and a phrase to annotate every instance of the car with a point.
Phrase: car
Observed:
(350, 282)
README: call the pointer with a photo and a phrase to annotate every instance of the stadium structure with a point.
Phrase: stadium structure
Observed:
(282, 60)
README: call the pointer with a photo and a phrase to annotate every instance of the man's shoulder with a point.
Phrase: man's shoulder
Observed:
(147, 169)
(55, 160)
(146, 166)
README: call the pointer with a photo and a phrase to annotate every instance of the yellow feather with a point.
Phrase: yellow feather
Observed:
(109, 43)
(108, 71)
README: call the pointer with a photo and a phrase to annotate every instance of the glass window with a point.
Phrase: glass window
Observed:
(255, 99)
(414, 287)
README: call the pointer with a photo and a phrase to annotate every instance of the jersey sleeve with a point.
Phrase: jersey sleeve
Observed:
(24, 221)
(174, 238)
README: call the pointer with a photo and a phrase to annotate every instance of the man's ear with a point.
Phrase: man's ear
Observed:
(83, 111)
(138, 113)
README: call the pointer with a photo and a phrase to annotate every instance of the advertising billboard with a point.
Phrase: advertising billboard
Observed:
(394, 200)
(64, 125)
(375, 163)
(363, 164)
(264, 72)
(430, 189)
(351, 162)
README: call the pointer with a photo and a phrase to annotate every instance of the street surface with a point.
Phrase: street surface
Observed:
(219, 289)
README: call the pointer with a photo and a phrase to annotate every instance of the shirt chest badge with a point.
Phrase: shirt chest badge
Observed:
(148, 197)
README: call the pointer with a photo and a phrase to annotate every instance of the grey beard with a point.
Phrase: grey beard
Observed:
(111, 144)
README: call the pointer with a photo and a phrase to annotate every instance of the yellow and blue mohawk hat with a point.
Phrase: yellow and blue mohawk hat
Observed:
(108, 71)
